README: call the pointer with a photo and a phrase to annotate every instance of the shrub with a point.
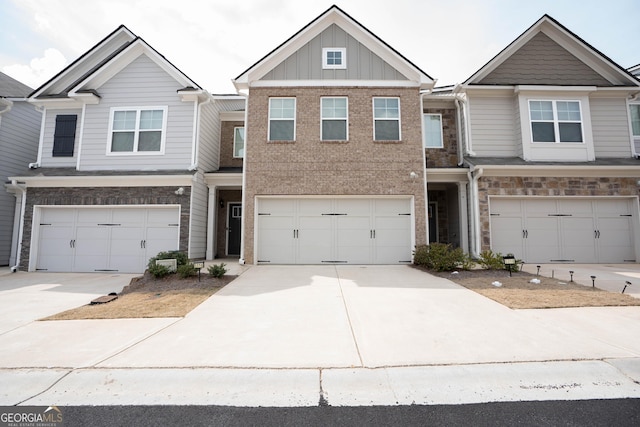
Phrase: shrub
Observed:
(186, 270)
(217, 270)
(490, 260)
(158, 270)
(441, 257)
(180, 257)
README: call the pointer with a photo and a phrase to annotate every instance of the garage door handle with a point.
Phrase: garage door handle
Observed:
(596, 234)
(143, 244)
(525, 234)
(72, 243)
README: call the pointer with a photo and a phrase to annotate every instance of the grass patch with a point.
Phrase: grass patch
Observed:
(146, 296)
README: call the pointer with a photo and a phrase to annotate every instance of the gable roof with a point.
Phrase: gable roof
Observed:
(102, 62)
(12, 88)
(558, 34)
(333, 15)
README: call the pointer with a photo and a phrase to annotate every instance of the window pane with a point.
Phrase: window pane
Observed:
(124, 120)
(149, 141)
(334, 108)
(386, 108)
(281, 130)
(238, 143)
(570, 132)
(541, 110)
(334, 130)
(122, 142)
(151, 119)
(334, 58)
(282, 108)
(432, 131)
(568, 110)
(543, 132)
(387, 130)
(635, 119)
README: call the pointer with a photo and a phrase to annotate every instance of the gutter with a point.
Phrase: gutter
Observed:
(196, 134)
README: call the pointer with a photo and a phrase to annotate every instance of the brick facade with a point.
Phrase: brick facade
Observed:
(226, 145)
(447, 156)
(547, 186)
(310, 166)
(104, 196)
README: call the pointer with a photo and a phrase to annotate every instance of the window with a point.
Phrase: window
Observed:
(386, 118)
(432, 131)
(334, 58)
(64, 135)
(282, 119)
(334, 119)
(138, 130)
(635, 119)
(238, 143)
(555, 121)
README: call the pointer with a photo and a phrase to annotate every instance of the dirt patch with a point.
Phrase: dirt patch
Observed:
(147, 296)
(518, 292)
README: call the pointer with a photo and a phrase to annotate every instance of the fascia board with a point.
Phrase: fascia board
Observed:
(335, 83)
(105, 181)
(561, 171)
(223, 179)
(120, 61)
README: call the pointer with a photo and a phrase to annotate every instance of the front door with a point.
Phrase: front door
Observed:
(234, 220)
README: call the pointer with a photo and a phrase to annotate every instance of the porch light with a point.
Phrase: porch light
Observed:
(627, 283)
(593, 281)
(571, 273)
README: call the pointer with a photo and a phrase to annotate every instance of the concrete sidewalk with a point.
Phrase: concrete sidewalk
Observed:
(346, 335)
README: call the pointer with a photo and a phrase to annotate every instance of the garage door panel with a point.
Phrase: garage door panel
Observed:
(93, 216)
(615, 242)
(354, 236)
(578, 239)
(275, 239)
(542, 239)
(55, 248)
(315, 239)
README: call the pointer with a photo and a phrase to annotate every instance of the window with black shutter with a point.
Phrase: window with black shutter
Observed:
(64, 135)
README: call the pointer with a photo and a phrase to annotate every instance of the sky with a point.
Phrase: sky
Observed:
(213, 41)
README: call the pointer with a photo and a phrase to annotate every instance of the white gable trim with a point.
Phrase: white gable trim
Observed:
(333, 16)
(568, 41)
(335, 83)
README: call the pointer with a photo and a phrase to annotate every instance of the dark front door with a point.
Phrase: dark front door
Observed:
(433, 222)
(233, 229)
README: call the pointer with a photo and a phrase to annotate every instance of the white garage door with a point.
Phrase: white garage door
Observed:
(104, 239)
(563, 230)
(323, 230)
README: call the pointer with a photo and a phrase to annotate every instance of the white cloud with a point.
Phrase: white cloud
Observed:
(39, 70)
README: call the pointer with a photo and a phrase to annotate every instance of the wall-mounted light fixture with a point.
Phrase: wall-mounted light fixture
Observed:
(179, 191)
(221, 203)
(413, 175)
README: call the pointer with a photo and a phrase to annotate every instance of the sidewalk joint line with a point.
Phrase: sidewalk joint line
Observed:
(46, 389)
(346, 310)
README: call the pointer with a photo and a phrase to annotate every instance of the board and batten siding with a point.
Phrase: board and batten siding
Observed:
(610, 125)
(493, 127)
(306, 63)
(19, 136)
(198, 217)
(47, 159)
(142, 83)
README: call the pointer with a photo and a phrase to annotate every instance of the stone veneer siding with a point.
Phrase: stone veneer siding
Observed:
(447, 156)
(309, 166)
(226, 144)
(107, 196)
(547, 186)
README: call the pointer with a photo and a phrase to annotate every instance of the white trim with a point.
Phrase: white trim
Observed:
(373, 114)
(295, 114)
(632, 137)
(105, 181)
(346, 118)
(138, 110)
(81, 136)
(334, 83)
(556, 120)
(223, 179)
(325, 58)
(533, 170)
(41, 140)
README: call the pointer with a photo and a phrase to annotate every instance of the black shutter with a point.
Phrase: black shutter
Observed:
(64, 135)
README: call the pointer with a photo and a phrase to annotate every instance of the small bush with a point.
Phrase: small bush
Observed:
(490, 260)
(158, 270)
(217, 270)
(186, 270)
(180, 257)
(441, 257)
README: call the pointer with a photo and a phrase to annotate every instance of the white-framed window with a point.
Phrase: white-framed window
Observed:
(282, 119)
(386, 119)
(334, 58)
(432, 131)
(334, 118)
(238, 142)
(556, 121)
(137, 130)
(634, 110)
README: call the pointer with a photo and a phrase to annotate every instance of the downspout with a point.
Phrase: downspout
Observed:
(243, 227)
(20, 193)
(196, 134)
(459, 112)
(424, 163)
(475, 247)
(466, 111)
